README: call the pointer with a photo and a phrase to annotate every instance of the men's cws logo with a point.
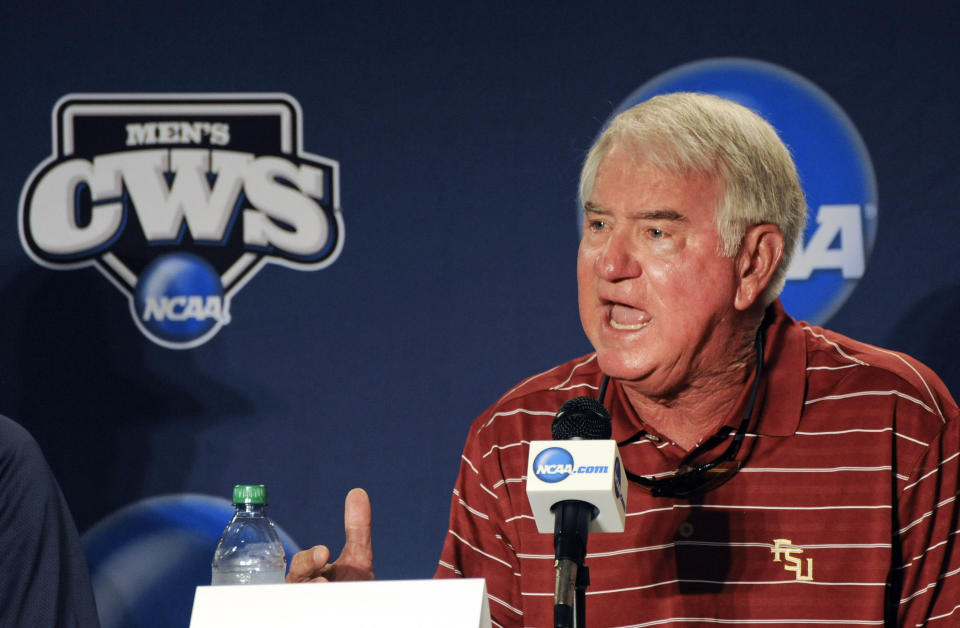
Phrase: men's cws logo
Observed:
(554, 464)
(179, 200)
(835, 171)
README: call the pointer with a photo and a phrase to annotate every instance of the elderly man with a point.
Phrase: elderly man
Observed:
(780, 473)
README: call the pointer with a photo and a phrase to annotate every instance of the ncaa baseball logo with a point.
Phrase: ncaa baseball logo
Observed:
(835, 171)
(179, 200)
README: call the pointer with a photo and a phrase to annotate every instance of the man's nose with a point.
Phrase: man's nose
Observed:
(617, 259)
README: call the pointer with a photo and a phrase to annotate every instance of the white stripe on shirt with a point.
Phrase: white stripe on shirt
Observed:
(864, 430)
(835, 346)
(865, 393)
(480, 551)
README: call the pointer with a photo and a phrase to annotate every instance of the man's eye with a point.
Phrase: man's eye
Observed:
(597, 225)
(657, 233)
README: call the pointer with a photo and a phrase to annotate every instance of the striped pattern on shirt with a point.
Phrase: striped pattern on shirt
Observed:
(845, 512)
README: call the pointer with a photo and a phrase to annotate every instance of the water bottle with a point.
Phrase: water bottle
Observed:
(249, 551)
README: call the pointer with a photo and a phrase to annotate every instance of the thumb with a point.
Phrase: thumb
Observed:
(358, 546)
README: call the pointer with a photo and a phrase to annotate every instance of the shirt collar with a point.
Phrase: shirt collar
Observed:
(785, 367)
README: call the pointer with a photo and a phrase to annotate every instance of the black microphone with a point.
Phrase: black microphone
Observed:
(581, 418)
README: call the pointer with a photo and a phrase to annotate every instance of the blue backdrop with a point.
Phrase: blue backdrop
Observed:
(459, 129)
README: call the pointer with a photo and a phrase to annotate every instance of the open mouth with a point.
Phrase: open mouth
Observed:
(626, 318)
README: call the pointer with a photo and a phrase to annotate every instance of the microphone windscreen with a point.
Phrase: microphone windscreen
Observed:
(582, 417)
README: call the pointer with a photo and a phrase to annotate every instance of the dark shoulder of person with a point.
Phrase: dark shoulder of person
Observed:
(44, 579)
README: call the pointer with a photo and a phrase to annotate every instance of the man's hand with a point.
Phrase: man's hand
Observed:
(356, 559)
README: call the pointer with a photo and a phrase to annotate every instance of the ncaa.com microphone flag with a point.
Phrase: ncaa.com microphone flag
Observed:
(583, 470)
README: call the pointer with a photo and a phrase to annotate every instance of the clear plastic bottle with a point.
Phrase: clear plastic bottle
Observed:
(249, 551)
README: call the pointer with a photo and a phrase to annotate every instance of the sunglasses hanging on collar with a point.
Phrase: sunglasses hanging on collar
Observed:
(695, 479)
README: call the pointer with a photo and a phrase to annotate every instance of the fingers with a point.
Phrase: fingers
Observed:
(356, 523)
(309, 564)
(356, 559)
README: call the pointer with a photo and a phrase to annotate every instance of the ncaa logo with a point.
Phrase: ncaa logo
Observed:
(835, 171)
(553, 464)
(179, 200)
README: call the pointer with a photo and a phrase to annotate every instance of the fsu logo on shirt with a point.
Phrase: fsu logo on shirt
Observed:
(179, 200)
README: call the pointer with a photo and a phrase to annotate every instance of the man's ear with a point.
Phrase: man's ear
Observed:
(759, 256)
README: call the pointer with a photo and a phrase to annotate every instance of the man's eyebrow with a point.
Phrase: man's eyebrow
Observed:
(659, 214)
(647, 214)
(594, 208)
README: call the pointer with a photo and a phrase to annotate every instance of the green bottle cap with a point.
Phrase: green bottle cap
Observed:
(250, 494)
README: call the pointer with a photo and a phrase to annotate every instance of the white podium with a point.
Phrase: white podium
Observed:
(449, 603)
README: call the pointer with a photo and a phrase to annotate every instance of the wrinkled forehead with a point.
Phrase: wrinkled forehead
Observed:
(637, 189)
(660, 165)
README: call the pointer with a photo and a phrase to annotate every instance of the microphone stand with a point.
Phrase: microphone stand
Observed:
(572, 575)
(579, 418)
(583, 581)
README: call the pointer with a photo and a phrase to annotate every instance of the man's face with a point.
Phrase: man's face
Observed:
(656, 298)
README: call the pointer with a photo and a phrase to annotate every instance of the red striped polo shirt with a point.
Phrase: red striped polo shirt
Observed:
(844, 512)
